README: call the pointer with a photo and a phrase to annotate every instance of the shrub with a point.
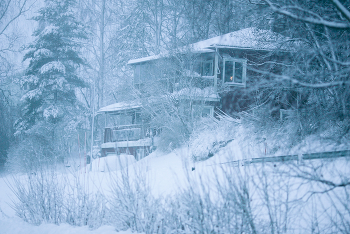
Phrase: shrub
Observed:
(46, 196)
(31, 153)
(132, 204)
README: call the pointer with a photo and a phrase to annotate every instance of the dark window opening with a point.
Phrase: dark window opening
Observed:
(228, 71)
(238, 72)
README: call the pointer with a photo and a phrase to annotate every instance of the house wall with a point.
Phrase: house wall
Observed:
(258, 87)
(173, 74)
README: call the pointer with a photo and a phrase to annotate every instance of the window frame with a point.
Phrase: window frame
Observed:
(244, 72)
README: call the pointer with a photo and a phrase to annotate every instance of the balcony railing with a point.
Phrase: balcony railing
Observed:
(132, 134)
(123, 133)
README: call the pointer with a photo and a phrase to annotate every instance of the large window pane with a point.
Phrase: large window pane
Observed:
(228, 71)
(207, 68)
(238, 72)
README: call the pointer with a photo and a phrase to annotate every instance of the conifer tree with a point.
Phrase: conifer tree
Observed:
(51, 77)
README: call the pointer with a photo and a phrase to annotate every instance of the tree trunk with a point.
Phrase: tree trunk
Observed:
(102, 55)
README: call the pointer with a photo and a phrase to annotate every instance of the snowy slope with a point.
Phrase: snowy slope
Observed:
(166, 175)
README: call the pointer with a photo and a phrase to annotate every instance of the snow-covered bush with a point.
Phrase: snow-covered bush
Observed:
(50, 197)
(222, 205)
(81, 206)
(172, 136)
(132, 204)
(210, 135)
(39, 197)
(273, 135)
(264, 198)
(293, 134)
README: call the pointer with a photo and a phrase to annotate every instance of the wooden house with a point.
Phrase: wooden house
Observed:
(227, 73)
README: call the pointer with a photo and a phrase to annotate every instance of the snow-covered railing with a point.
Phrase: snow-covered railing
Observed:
(129, 126)
(286, 158)
(130, 134)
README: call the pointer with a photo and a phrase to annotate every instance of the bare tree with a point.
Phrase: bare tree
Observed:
(10, 13)
(323, 66)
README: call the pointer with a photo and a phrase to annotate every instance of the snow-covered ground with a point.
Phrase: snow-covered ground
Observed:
(166, 175)
(15, 225)
(164, 171)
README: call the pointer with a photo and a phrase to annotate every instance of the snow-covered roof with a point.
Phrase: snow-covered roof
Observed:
(248, 39)
(167, 54)
(144, 59)
(129, 105)
(121, 106)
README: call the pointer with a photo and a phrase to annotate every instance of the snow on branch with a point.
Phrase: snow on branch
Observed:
(53, 66)
(51, 112)
(42, 53)
(32, 94)
(50, 29)
(30, 79)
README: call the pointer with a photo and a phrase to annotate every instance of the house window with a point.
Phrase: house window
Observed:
(207, 68)
(199, 111)
(235, 71)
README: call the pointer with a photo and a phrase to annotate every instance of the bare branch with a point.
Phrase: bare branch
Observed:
(297, 82)
(318, 46)
(311, 20)
(345, 12)
(84, 95)
(21, 11)
(336, 61)
(5, 10)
